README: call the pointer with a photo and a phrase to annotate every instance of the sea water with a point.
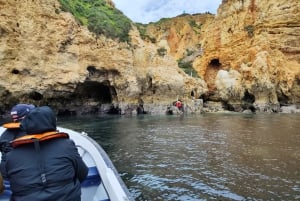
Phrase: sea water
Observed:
(227, 156)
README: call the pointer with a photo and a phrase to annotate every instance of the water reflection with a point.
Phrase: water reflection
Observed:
(207, 157)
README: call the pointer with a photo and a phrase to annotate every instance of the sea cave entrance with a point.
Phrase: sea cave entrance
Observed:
(101, 92)
(211, 72)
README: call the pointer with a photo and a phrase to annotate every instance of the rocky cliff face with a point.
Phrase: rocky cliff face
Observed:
(181, 35)
(252, 54)
(247, 56)
(47, 58)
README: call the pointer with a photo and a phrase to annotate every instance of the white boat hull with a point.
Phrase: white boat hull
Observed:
(103, 182)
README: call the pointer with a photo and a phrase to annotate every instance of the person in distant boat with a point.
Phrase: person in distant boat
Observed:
(18, 112)
(44, 163)
(178, 104)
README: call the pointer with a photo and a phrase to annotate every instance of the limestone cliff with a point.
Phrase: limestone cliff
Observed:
(247, 57)
(46, 57)
(181, 35)
(248, 54)
(251, 54)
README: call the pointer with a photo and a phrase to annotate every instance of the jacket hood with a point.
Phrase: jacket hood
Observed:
(39, 120)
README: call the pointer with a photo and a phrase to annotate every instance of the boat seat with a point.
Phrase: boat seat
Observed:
(92, 179)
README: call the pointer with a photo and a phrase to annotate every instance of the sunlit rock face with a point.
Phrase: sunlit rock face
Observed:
(247, 57)
(181, 35)
(46, 57)
(259, 42)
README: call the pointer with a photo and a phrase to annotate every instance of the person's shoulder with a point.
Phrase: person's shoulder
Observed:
(9, 134)
(66, 145)
(66, 141)
(71, 142)
(4, 135)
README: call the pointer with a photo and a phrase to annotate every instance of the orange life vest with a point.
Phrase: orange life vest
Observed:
(12, 125)
(26, 139)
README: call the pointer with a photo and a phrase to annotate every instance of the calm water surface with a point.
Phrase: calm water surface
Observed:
(204, 157)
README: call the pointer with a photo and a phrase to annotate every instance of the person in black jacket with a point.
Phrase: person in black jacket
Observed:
(18, 112)
(44, 164)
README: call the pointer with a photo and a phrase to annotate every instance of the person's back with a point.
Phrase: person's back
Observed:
(8, 135)
(18, 112)
(46, 170)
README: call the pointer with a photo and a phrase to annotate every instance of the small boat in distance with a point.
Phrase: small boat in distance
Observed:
(103, 182)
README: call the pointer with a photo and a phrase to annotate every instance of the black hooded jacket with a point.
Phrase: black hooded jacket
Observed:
(51, 171)
(7, 136)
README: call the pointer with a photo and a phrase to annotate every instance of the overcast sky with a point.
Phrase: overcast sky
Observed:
(145, 11)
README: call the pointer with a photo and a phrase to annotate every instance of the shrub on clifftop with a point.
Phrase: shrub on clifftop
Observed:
(100, 17)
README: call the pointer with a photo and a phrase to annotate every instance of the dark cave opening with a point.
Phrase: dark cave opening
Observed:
(35, 96)
(248, 101)
(15, 71)
(211, 72)
(101, 72)
(215, 63)
(228, 106)
(248, 97)
(91, 69)
(101, 92)
(283, 99)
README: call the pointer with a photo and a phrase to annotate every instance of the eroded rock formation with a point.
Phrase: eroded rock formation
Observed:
(247, 57)
(47, 58)
(252, 54)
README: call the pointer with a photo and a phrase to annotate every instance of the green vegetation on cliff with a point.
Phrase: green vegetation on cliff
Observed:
(142, 29)
(99, 17)
(187, 67)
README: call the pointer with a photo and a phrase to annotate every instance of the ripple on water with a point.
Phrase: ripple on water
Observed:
(206, 157)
